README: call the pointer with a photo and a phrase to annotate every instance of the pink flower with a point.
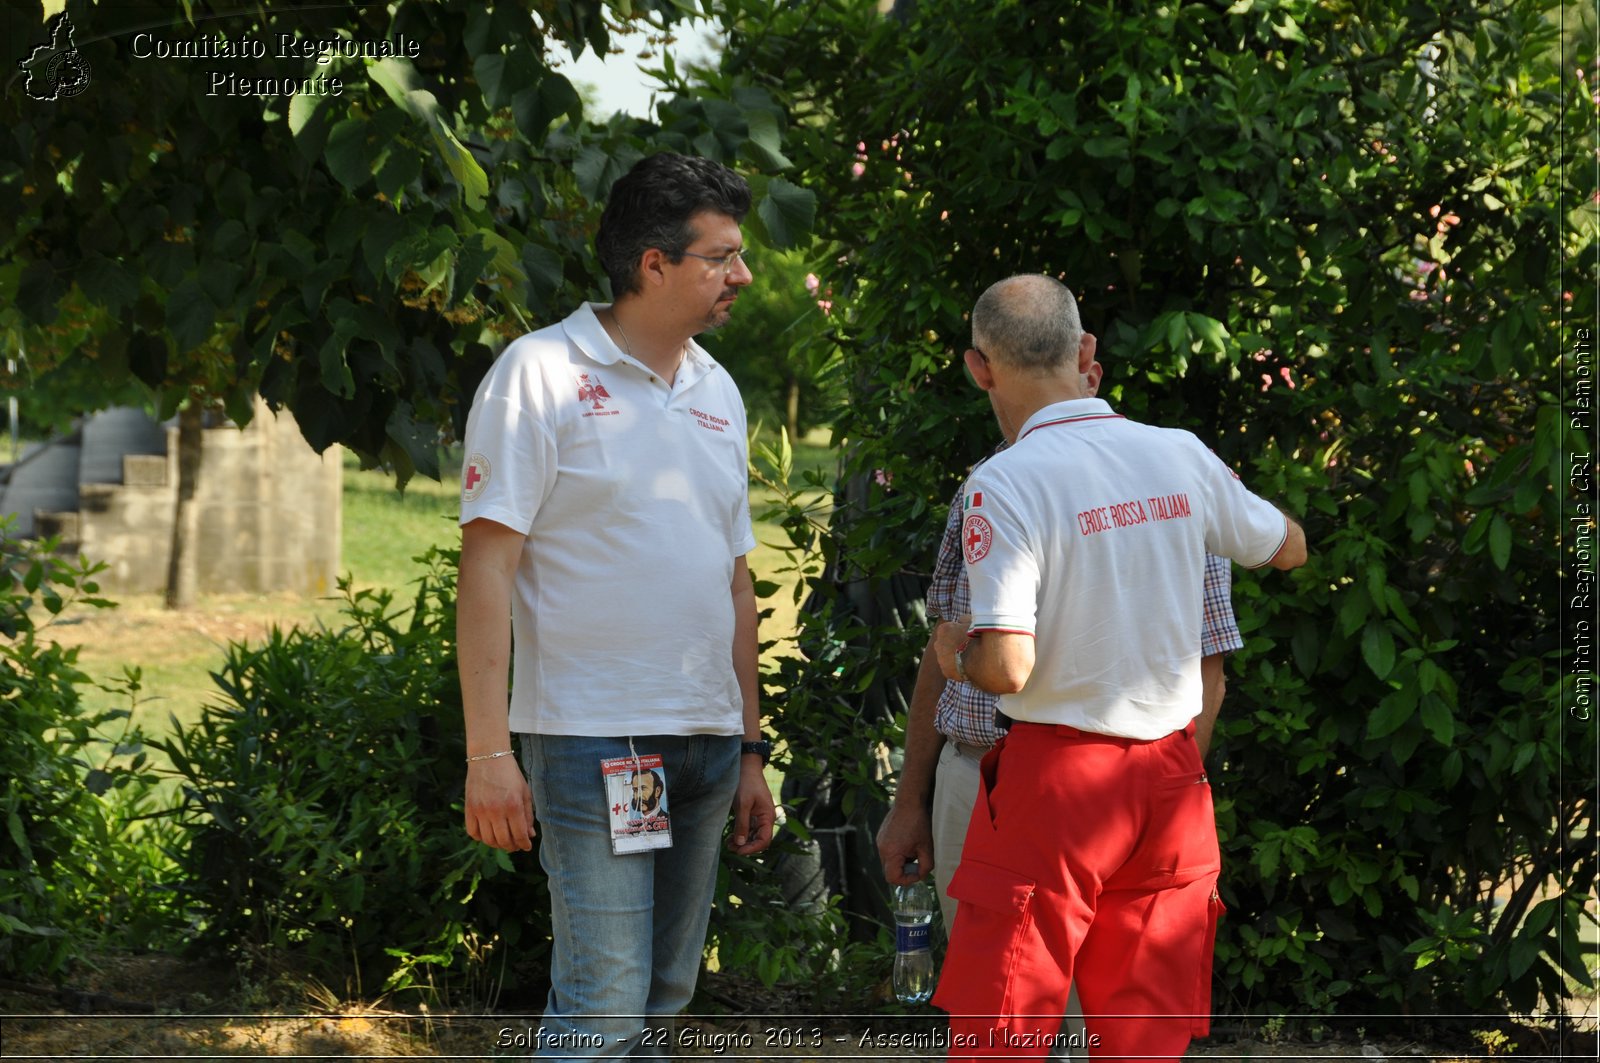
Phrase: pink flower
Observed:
(813, 282)
(884, 477)
(1287, 379)
(857, 169)
(944, 215)
(826, 305)
(1426, 268)
(1266, 381)
(1419, 296)
(1467, 464)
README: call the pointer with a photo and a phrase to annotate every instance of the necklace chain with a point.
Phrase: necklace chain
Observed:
(617, 321)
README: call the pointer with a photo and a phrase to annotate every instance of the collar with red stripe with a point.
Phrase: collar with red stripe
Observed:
(1073, 411)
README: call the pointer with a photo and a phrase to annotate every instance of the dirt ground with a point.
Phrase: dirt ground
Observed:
(159, 1006)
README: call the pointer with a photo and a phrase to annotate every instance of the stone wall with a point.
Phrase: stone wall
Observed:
(269, 514)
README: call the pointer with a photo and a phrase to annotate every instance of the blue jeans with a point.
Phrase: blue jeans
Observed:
(628, 931)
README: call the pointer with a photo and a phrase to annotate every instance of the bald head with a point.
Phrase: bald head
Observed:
(1029, 322)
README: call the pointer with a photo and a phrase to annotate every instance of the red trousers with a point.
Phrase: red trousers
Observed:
(1088, 858)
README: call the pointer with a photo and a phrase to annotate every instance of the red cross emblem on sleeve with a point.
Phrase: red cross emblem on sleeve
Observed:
(474, 477)
(976, 538)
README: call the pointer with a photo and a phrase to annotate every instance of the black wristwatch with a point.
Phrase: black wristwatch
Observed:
(762, 749)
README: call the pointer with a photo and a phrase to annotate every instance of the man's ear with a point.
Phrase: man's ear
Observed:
(1091, 379)
(652, 267)
(978, 366)
(1086, 349)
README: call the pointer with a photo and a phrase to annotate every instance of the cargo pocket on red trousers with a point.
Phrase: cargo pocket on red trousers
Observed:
(993, 922)
(1202, 992)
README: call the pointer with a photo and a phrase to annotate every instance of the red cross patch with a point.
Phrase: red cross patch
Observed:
(474, 478)
(976, 537)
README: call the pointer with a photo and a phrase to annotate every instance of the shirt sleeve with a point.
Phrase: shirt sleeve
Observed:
(1001, 561)
(1240, 525)
(1219, 631)
(947, 566)
(509, 451)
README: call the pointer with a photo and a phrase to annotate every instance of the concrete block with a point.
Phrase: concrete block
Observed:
(144, 470)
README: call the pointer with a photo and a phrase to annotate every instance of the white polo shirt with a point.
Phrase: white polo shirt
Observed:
(634, 497)
(1090, 534)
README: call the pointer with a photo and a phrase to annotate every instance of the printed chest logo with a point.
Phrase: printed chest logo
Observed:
(976, 538)
(593, 394)
(709, 421)
(475, 477)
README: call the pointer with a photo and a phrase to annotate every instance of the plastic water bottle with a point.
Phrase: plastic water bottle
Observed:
(914, 908)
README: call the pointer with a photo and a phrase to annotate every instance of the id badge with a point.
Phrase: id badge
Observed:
(636, 799)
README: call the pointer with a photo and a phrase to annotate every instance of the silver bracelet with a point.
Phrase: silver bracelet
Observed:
(490, 756)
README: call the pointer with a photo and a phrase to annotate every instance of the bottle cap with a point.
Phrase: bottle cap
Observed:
(909, 868)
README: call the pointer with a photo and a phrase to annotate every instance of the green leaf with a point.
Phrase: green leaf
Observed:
(1500, 542)
(474, 256)
(346, 153)
(1377, 648)
(787, 211)
(1450, 769)
(336, 375)
(1211, 333)
(310, 118)
(19, 836)
(107, 282)
(398, 165)
(1392, 712)
(1106, 147)
(544, 268)
(503, 75)
(400, 80)
(190, 315)
(597, 169)
(536, 109)
(765, 143)
(420, 441)
(1438, 719)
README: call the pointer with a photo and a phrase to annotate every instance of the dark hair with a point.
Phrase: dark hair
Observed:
(650, 206)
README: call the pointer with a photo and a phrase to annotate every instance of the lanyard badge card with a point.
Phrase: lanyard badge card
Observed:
(636, 800)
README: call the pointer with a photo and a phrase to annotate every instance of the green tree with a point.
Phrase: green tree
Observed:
(1322, 236)
(354, 250)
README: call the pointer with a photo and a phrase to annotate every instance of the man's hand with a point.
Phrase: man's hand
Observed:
(754, 813)
(948, 639)
(906, 834)
(499, 804)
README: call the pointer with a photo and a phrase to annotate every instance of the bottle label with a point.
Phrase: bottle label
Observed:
(912, 938)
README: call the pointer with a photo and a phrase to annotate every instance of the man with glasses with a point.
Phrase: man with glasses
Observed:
(605, 515)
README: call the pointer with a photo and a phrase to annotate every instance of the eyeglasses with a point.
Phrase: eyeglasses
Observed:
(725, 261)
